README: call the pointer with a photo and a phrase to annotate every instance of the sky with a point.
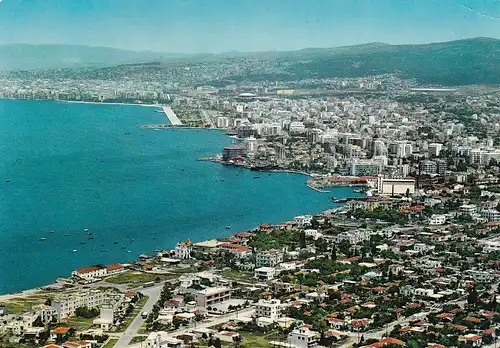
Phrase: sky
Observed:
(209, 26)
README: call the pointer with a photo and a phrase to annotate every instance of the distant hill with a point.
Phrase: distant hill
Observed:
(24, 56)
(460, 62)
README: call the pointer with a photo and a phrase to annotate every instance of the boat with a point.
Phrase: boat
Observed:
(228, 227)
(256, 177)
(115, 242)
(82, 243)
(357, 191)
(42, 239)
(51, 232)
(91, 237)
(74, 250)
(86, 230)
(124, 247)
(67, 235)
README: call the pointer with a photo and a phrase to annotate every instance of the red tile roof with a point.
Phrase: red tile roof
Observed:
(90, 269)
(115, 266)
(387, 341)
(60, 330)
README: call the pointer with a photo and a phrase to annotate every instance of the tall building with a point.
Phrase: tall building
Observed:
(364, 168)
(268, 308)
(435, 149)
(393, 187)
(222, 122)
(269, 258)
(428, 167)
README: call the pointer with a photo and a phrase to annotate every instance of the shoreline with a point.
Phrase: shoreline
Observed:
(86, 102)
(38, 289)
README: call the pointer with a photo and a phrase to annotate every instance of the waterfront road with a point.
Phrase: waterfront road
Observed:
(154, 295)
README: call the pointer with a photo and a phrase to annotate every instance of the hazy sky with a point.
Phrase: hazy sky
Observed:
(244, 25)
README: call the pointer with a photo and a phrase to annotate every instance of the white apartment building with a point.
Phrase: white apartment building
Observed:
(268, 308)
(265, 273)
(222, 122)
(66, 306)
(302, 338)
(437, 219)
(468, 209)
(490, 214)
(353, 237)
(213, 295)
(269, 258)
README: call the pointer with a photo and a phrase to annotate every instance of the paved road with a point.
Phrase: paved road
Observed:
(154, 295)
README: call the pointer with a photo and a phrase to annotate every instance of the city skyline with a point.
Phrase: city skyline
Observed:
(192, 26)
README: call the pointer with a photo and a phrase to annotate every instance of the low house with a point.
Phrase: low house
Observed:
(471, 339)
(59, 332)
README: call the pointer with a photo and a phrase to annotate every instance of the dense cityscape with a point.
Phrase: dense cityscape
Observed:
(414, 262)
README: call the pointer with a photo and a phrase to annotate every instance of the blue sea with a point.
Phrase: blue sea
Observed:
(66, 167)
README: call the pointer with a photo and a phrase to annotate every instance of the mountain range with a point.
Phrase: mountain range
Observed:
(459, 62)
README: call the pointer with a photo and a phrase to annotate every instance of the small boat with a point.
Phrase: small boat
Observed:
(86, 230)
(74, 250)
(256, 177)
(7, 181)
(124, 247)
(42, 239)
(128, 251)
(67, 235)
(51, 232)
(154, 238)
(91, 237)
(82, 243)
(115, 242)
(228, 227)
(357, 191)
(102, 244)
(104, 251)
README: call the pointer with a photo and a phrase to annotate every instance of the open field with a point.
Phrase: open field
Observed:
(136, 278)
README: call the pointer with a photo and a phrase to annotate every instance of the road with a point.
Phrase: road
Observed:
(154, 295)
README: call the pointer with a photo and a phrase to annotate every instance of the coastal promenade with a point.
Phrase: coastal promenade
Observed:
(172, 117)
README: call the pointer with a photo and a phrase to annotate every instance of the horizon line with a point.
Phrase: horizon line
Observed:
(246, 52)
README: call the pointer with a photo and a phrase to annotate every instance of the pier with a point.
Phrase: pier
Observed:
(172, 117)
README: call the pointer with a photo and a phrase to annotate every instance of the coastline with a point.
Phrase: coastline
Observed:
(99, 103)
(30, 291)
(86, 102)
(38, 289)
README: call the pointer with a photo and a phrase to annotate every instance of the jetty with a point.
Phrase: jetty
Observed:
(172, 117)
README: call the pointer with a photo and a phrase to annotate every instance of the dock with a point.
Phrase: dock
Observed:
(172, 117)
